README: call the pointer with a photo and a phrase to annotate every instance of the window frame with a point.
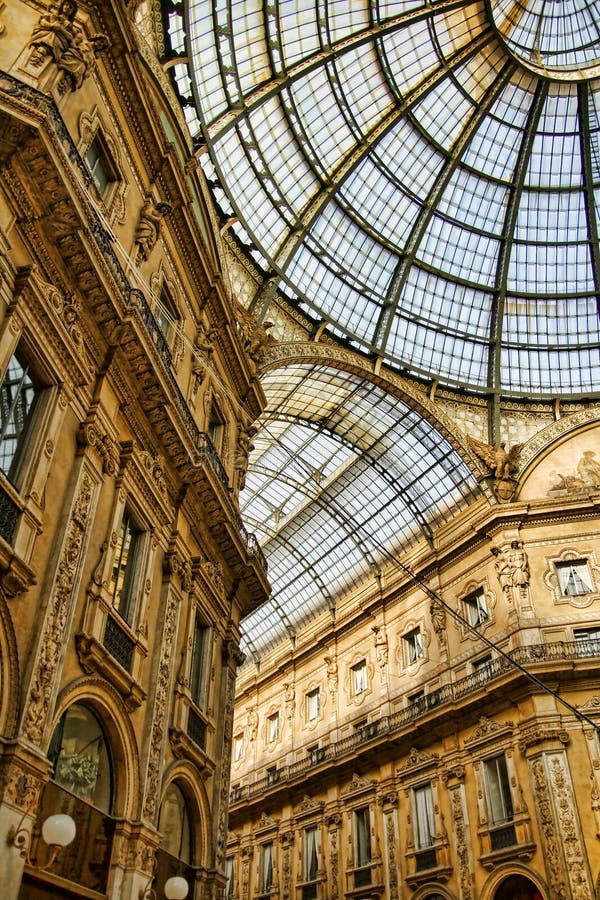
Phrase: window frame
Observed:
(267, 867)
(133, 569)
(312, 701)
(200, 661)
(104, 160)
(273, 727)
(359, 675)
(424, 816)
(476, 608)
(361, 822)
(22, 455)
(576, 566)
(414, 647)
(502, 789)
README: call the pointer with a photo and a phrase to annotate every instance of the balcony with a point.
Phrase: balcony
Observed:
(434, 703)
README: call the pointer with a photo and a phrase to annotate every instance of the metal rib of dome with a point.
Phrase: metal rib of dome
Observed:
(407, 180)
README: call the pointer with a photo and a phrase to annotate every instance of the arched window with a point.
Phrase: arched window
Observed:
(81, 759)
(517, 887)
(174, 824)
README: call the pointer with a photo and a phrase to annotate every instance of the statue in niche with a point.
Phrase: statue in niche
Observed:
(512, 566)
(252, 722)
(502, 463)
(332, 674)
(381, 645)
(289, 699)
(438, 620)
(244, 448)
(148, 228)
(58, 37)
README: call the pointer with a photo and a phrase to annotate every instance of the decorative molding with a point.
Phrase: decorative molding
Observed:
(358, 785)
(160, 708)
(488, 729)
(418, 759)
(62, 598)
(94, 657)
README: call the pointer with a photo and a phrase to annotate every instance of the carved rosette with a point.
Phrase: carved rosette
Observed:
(160, 709)
(57, 617)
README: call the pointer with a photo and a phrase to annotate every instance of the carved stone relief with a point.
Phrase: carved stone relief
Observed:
(159, 720)
(59, 611)
(461, 839)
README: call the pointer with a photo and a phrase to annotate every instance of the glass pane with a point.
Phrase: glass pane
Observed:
(80, 755)
(18, 394)
(174, 824)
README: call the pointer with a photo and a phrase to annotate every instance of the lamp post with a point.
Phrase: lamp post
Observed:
(176, 888)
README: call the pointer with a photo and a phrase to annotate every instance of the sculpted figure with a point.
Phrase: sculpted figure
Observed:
(243, 450)
(502, 463)
(148, 228)
(58, 36)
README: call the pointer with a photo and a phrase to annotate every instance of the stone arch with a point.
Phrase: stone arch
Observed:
(495, 880)
(10, 674)
(188, 779)
(428, 891)
(106, 703)
(539, 447)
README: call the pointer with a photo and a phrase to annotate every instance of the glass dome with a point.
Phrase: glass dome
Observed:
(424, 177)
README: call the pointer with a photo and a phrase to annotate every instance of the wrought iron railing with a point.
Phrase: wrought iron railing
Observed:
(196, 728)
(118, 643)
(503, 837)
(133, 299)
(559, 651)
(426, 859)
(9, 516)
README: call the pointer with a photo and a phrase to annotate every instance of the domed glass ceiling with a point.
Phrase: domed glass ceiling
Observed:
(422, 176)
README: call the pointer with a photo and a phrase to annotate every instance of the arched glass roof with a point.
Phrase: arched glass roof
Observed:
(423, 176)
(422, 179)
(343, 474)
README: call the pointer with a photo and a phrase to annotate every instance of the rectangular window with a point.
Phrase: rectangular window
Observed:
(587, 639)
(99, 164)
(311, 853)
(424, 817)
(216, 428)
(125, 568)
(200, 660)
(359, 677)
(362, 829)
(313, 704)
(273, 727)
(476, 608)
(266, 868)
(165, 314)
(573, 577)
(413, 646)
(238, 747)
(19, 393)
(498, 790)
(483, 666)
(229, 875)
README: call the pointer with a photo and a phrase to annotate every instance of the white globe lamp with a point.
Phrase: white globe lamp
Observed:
(58, 830)
(176, 888)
